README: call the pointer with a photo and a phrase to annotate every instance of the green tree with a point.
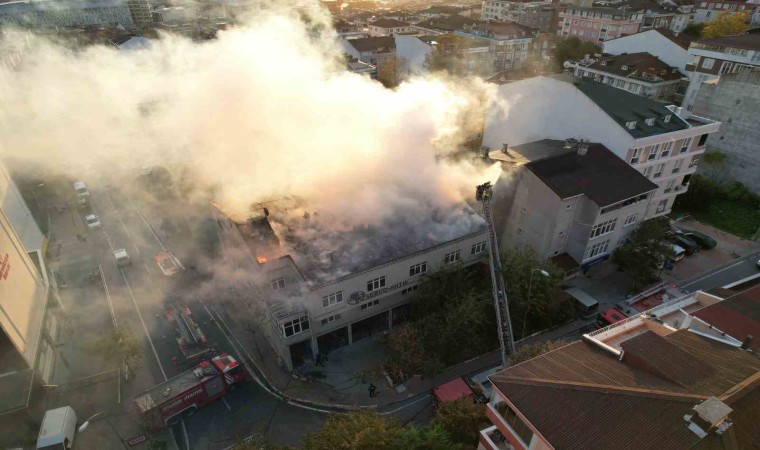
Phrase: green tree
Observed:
(520, 265)
(462, 419)
(727, 23)
(433, 437)
(530, 351)
(698, 197)
(714, 163)
(357, 430)
(408, 354)
(644, 251)
(572, 49)
(120, 346)
(693, 30)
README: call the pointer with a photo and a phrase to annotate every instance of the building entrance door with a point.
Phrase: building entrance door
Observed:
(369, 326)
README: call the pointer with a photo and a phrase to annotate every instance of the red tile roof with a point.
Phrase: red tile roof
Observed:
(738, 315)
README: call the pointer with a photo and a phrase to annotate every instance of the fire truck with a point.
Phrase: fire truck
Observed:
(190, 338)
(183, 395)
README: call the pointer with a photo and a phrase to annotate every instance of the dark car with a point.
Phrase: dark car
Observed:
(700, 238)
(690, 246)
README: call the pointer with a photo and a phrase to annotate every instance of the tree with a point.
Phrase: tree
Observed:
(121, 346)
(727, 23)
(530, 351)
(433, 437)
(714, 163)
(462, 419)
(572, 49)
(700, 195)
(357, 430)
(693, 30)
(409, 355)
(644, 251)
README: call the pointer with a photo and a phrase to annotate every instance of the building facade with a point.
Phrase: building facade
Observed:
(389, 27)
(379, 52)
(663, 143)
(538, 15)
(713, 58)
(734, 100)
(708, 10)
(65, 14)
(597, 25)
(509, 43)
(460, 55)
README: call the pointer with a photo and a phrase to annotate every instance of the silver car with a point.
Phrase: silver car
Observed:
(92, 221)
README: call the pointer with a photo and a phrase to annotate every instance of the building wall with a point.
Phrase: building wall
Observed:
(380, 31)
(596, 27)
(735, 101)
(653, 43)
(663, 90)
(710, 62)
(708, 10)
(65, 14)
(411, 54)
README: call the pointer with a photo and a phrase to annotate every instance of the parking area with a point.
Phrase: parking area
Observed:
(729, 248)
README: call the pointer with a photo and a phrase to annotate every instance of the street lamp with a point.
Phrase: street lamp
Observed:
(530, 285)
(86, 425)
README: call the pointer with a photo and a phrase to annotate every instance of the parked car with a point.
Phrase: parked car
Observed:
(678, 253)
(81, 189)
(702, 239)
(92, 221)
(122, 257)
(690, 246)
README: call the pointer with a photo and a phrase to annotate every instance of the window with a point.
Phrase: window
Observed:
(636, 155)
(418, 269)
(596, 249)
(603, 228)
(410, 289)
(650, 121)
(670, 185)
(377, 283)
(707, 63)
(653, 152)
(332, 299)
(685, 144)
(329, 319)
(648, 171)
(660, 169)
(666, 149)
(621, 240)
(677, 166)
(452, 257)
(666, 119)
(630, 125)
(630, 220)
(521, 430)
(278, 283)
(295, 326)
(702, 140)
(661, 206)
(480, 247)
(370, 304)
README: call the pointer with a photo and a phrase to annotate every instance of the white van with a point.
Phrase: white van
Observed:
(81, 189)
(122, 258)
(57, 430)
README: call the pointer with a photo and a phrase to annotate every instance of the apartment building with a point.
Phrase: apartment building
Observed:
(734, 100)
(661, 379)
(463, 56)
(444, 25)
(568, 199)
(639, 73)
(140, 11)
(379, 52)
(321, 298)
(538, 15)
(389, 27)
(719, 56)
(28, 13)
(509, 43)
(30, 319)
(670, 49)
(708, 10)
(597, 25)
(663, 143)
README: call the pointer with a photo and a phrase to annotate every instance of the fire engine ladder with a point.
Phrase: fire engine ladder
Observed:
(483, 194)
(185, 324)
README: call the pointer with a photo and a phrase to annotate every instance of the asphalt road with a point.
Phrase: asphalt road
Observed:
(722, 276)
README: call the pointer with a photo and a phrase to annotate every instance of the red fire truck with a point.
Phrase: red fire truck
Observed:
(170, 401)
(190, 338)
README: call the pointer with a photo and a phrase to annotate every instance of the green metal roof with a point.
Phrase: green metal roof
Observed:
(624, 107)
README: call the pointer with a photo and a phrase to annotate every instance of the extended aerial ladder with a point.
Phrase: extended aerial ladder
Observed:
(483, 194)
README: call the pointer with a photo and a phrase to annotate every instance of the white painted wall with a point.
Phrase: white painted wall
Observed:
(652, 42)
(545, 108)
(411, 54)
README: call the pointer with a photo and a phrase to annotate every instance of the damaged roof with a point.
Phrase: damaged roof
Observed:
(599, 175)
(581, 396)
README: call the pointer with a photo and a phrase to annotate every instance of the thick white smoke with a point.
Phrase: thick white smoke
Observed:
(263, 111)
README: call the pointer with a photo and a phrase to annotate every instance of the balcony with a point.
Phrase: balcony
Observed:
(492, 439)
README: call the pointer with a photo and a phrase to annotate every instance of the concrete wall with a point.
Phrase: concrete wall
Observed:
(735, 101)
(411, 55)
(19, 215)
(651, 42)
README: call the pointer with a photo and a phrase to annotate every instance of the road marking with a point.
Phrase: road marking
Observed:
(145, 328)
(121, 222)
(155, 236)
(714, 273)
(108, 296)
(229, 408)
(393, 411)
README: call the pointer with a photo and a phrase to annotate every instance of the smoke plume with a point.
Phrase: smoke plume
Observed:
(263, 111)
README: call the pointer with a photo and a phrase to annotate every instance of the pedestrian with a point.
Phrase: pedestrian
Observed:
(372, 389)
(319, 360)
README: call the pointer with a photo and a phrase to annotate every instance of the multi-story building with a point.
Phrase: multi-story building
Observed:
(443, 25)
(538, 15)
(640, 73)
(509, 43)
(568, 199)
(323, 290)
(597, 25)
(708, 10)
(460, 55)
(661, 379)
(29, 308)
(719, 56)
(670, 49)
(389, 27)
(377, 51)
(141, 12)
(680, 21)
(663, 143)
(65, 14)
(734, 100)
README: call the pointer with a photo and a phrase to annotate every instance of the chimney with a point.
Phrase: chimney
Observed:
(710, 416)
(747, 343)
(484, 151)
(582, 148)
(505, 149)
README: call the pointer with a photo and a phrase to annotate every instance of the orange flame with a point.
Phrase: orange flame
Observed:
(261, 259)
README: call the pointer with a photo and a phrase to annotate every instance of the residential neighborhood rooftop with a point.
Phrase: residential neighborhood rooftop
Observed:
(388, 23)
(640, 65)
(748, 41)
(385, 43)
(737, 315)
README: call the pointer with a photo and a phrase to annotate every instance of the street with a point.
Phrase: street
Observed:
(721, 276)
